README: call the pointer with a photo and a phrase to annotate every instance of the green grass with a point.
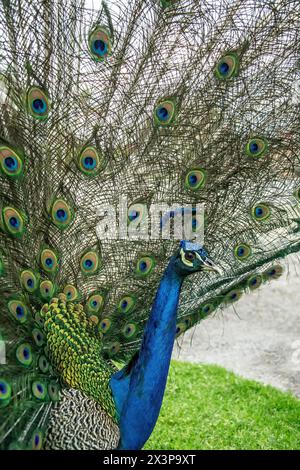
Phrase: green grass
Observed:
(207, 407)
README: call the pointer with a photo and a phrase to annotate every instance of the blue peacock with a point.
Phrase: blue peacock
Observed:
(176, 101)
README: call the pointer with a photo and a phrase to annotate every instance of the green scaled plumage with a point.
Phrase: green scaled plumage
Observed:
(173, 102)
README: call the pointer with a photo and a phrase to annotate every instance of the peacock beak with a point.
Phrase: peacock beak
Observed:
(209, 265)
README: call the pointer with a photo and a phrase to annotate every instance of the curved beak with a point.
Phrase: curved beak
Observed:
(209, 265)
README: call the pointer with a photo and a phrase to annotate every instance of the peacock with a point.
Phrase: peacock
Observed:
(109, 110)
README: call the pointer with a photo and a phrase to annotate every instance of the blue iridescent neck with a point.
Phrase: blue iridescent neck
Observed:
(139, 394)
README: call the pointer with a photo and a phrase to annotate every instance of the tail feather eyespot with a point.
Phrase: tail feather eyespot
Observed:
(100, 44)
(165, 112)
(24, 354)
(227, 67)
(37, 103)
(5, 392)
(11, 162)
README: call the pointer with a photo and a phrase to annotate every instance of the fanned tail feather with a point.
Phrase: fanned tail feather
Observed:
(180, 102)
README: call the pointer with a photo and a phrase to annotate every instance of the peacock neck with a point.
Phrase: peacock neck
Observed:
(147, 382)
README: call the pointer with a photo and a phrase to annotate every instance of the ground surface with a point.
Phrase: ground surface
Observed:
(259, 339)
(207, 407)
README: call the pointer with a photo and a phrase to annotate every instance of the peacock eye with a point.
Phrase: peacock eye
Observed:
(90, 161)
(71, 292)
(190, 256)
(195, 179)
(90, 263)
(61, 214)
(28, 281)
(13, 221)
(100, 44)
(227, 66)
(38, 103)
(256, 147)
(24, 354)
(165, 112)
(5, 392)
(11, 163)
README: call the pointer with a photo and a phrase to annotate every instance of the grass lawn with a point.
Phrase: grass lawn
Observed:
(207, 407)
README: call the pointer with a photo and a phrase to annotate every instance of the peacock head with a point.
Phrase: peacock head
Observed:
(191, 258)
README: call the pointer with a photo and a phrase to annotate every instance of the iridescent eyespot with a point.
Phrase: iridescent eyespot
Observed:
(227, 67)
(90, 263)
(254, 281)
(49, 260)
(129, 330)
(47, 289)
(38, 103)
(53, 390)
(137, 213)
(62, 214)
(145, 266)
(36, 441)
(11, 163)
(38, 337)
(89, 161)
(256, 147)
(18, 310)
(95, 303)
(195, 179)
(180, 328)
(13, 221)
(126, 304)
(233, 296)
(39, 390)
(206, 309)
(71, 292)
(29, 280)
(274, 272)
(260, 211)
(104, 325)
(43, 364)
(5, 392)
(93, 318)
(242, 251)
(114, 348)
(165, 113)
(100, 44)
(24, 354)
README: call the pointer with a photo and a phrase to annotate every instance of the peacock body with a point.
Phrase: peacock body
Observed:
(181, 102)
